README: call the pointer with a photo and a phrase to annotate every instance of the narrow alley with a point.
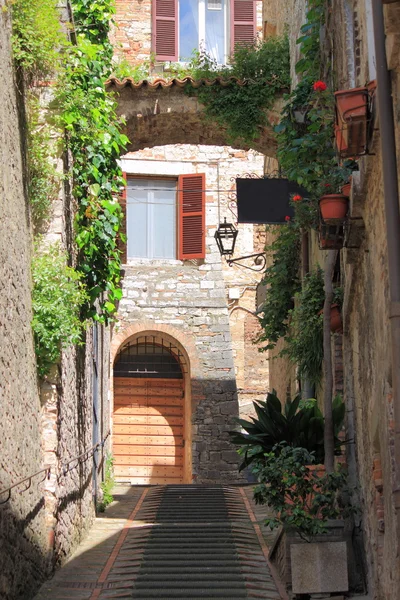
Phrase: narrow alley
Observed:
(200, 299)
(171, 542)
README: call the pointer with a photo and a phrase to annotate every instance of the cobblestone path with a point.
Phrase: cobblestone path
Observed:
(171, 542)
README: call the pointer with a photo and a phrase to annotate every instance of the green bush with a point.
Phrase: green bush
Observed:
(265, 69)
(107, 485)
(57, 297)
(301, 498)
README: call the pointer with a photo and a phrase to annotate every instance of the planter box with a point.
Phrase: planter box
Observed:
(352, 121)
(319, 567)
(337, 541)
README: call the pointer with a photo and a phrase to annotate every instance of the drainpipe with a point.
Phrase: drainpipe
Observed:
(391, 193)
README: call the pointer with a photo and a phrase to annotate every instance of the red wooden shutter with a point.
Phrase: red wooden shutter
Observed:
(243, 22)
(192, 223)
(165, 29)
(122, 200)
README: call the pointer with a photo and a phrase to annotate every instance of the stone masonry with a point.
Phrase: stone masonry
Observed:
(24, 543)
(195, 301)
(364, 373)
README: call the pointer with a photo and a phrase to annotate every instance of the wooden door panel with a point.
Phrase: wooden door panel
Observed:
(156, 440)
(145, 419)
(143, 450)
(132, 410)
(121, 399)
(147, 471)
(148, 430)
(142, 460)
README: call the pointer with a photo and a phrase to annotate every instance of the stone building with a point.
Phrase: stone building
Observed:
(47, 428)
(362, 355)
(181, 301)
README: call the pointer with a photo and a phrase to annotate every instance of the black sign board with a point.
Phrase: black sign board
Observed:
(265, 201)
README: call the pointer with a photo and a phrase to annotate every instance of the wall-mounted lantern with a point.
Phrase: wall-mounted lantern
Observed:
(225, 236)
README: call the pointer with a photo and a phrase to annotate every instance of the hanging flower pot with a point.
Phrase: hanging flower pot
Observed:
(336, 319)
(333, 206)
(352, 119)
(346, 189)
(327, 244)
(352, 104)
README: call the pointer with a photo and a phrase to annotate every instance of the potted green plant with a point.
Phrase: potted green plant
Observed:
(307, 504)
(297, 423)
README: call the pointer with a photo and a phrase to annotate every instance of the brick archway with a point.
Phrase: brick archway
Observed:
(189, 364)
(162, 113)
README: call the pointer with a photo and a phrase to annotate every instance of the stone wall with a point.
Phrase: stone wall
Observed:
(211, 304)
(24, 543)
(67, 396)
(364, 372)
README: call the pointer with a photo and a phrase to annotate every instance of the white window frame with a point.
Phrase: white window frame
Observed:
(150, 221)
(202, 27)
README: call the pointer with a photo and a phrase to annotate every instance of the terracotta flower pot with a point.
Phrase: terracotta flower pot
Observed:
(327, 244)
(333, 206)
(336, 319)
(352, 104)
(346, 189)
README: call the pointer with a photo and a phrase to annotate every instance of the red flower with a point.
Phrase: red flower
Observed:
(287, 218)
(297, 198)
(319, 86)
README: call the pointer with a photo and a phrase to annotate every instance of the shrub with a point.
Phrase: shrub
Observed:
(107, 485)
(57, 297)
(37, 37)
(265, 69)
(301, 498)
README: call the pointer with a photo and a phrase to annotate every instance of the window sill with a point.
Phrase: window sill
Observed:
(153, 262)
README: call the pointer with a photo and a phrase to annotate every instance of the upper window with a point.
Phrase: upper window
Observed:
(151, 218)
(165, 218)
(181, 26)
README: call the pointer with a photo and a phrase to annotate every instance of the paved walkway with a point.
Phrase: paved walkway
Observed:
(171, 542)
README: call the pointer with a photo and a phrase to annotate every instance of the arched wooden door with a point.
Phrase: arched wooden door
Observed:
(148, 418)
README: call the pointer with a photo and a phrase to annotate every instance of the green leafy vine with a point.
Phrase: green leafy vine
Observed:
(262, 67)
(282, 281)
(94, 138)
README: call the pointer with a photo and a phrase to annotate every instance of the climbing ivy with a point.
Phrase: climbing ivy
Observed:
(263, 68)
(304, 343)
(282, 281)
(95, 141)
